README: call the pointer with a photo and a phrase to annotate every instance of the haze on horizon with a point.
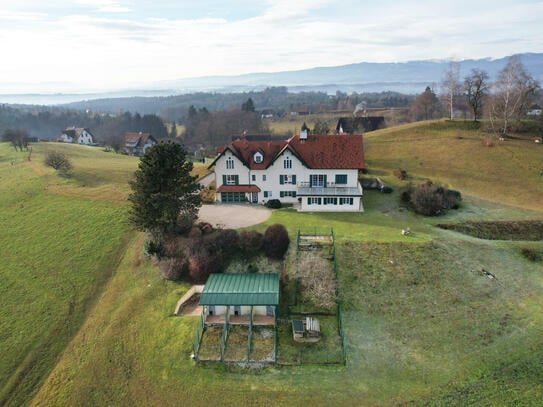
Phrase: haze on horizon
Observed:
(100, 45)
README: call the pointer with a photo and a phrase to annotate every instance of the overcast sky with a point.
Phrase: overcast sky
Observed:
(85, 45)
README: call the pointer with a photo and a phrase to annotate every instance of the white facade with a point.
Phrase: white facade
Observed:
(290, 181)
(233, 310)
(76, 135)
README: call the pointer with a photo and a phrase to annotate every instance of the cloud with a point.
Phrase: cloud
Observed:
(105, 6)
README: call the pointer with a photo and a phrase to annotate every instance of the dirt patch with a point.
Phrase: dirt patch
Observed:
(233, 216)
(191, 307)
(500, 230)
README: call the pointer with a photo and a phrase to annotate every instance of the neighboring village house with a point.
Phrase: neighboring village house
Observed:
(78, 135)
(315, 172)
(137, 143)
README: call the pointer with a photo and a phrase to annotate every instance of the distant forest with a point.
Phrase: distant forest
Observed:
(277, 99)
(210, 119)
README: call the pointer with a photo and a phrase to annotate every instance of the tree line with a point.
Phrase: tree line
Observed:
(503, 102)
(19, 125)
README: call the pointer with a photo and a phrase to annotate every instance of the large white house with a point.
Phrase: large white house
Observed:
(314, 172)
(78, 135)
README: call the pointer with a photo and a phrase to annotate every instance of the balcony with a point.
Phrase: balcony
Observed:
(331, 189)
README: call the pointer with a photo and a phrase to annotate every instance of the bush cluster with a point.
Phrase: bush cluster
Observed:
(203, 250)
(431, 199)
(274, 204)
(59, 161)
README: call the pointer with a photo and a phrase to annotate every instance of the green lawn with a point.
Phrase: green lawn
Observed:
(424, 325)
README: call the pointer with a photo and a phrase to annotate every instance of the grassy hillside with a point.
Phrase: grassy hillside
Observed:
(424, 323)
(510, 172)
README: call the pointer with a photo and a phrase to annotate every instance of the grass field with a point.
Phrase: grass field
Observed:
(87, 320)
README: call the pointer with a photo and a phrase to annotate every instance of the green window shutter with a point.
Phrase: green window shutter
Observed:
(294, 179)
(281, 180)
(224, 179)
(325, 180)
(282, 194)
(236, 179)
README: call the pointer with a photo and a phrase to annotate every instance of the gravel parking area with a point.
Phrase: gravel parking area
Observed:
(233, 216)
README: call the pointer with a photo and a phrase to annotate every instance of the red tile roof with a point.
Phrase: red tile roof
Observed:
(330, 151)
(238, 188)
(317, 151)
(134, 138)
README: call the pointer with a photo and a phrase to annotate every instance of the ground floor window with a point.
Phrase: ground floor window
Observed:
(345, 201)
(229, 197)
(267, 194)
(284, 194)
(330, 200)
(313, 200)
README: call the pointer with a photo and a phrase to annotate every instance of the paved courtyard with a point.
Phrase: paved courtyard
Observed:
(234, 216)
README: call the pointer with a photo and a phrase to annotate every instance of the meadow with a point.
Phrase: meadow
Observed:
(424, 324)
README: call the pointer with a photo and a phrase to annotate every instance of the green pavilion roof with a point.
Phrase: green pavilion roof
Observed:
(241, 289)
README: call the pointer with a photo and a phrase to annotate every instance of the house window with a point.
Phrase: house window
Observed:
(263, 177)
(230, 179)
(318, 180)
(287, 179)
(229, 163)
(253, 177)
(312, 200)
(267, 194)
(258, 157)
(345, 201)
(341, 179)
(330, 201)
(291, 194)
(287, 164)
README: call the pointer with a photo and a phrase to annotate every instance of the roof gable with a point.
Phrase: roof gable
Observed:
(241, 289)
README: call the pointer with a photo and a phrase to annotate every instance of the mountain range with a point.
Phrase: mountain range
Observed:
(405, 77)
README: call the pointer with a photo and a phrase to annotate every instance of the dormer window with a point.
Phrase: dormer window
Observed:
(229, 163)
(287, 163)
(258, 157)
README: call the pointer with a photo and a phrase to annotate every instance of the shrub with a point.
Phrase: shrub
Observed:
(59, 161)
(273, 204)
(430, 199)
(250, 242)
(152, 248)
(205, 227)
(173, 268)
(276, 241)
(530, 254)
(184, 223)
(386, 189)
(228, 241)
(204, 259)
(400, 173)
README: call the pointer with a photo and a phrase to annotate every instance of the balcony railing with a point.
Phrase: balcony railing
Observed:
(331, 189)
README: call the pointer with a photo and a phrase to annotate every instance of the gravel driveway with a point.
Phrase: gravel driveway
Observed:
(233, 216)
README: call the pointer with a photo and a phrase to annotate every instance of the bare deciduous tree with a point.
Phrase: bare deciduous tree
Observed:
(513, 93)
(451, 87)
(476, 88)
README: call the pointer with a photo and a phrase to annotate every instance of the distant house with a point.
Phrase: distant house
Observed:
(356, 125)
(137, 143)
(535, 110)
(77, 135)
(313, 172)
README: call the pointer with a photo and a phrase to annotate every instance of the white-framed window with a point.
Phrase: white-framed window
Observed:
(287, 179)
(287, 163)
(330, 200)
(231, 180)
(258, 157)
(263, 177)
(286, 194)
(313, 200)
(253, 177)
(229, 163)
(345, 201)
(267, 194)
(318, 180)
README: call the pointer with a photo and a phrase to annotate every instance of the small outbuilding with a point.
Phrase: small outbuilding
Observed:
(307, 330)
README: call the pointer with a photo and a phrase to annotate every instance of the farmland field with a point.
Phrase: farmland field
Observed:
(87, 319)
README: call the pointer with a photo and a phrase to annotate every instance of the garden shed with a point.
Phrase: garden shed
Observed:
(250, 299)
